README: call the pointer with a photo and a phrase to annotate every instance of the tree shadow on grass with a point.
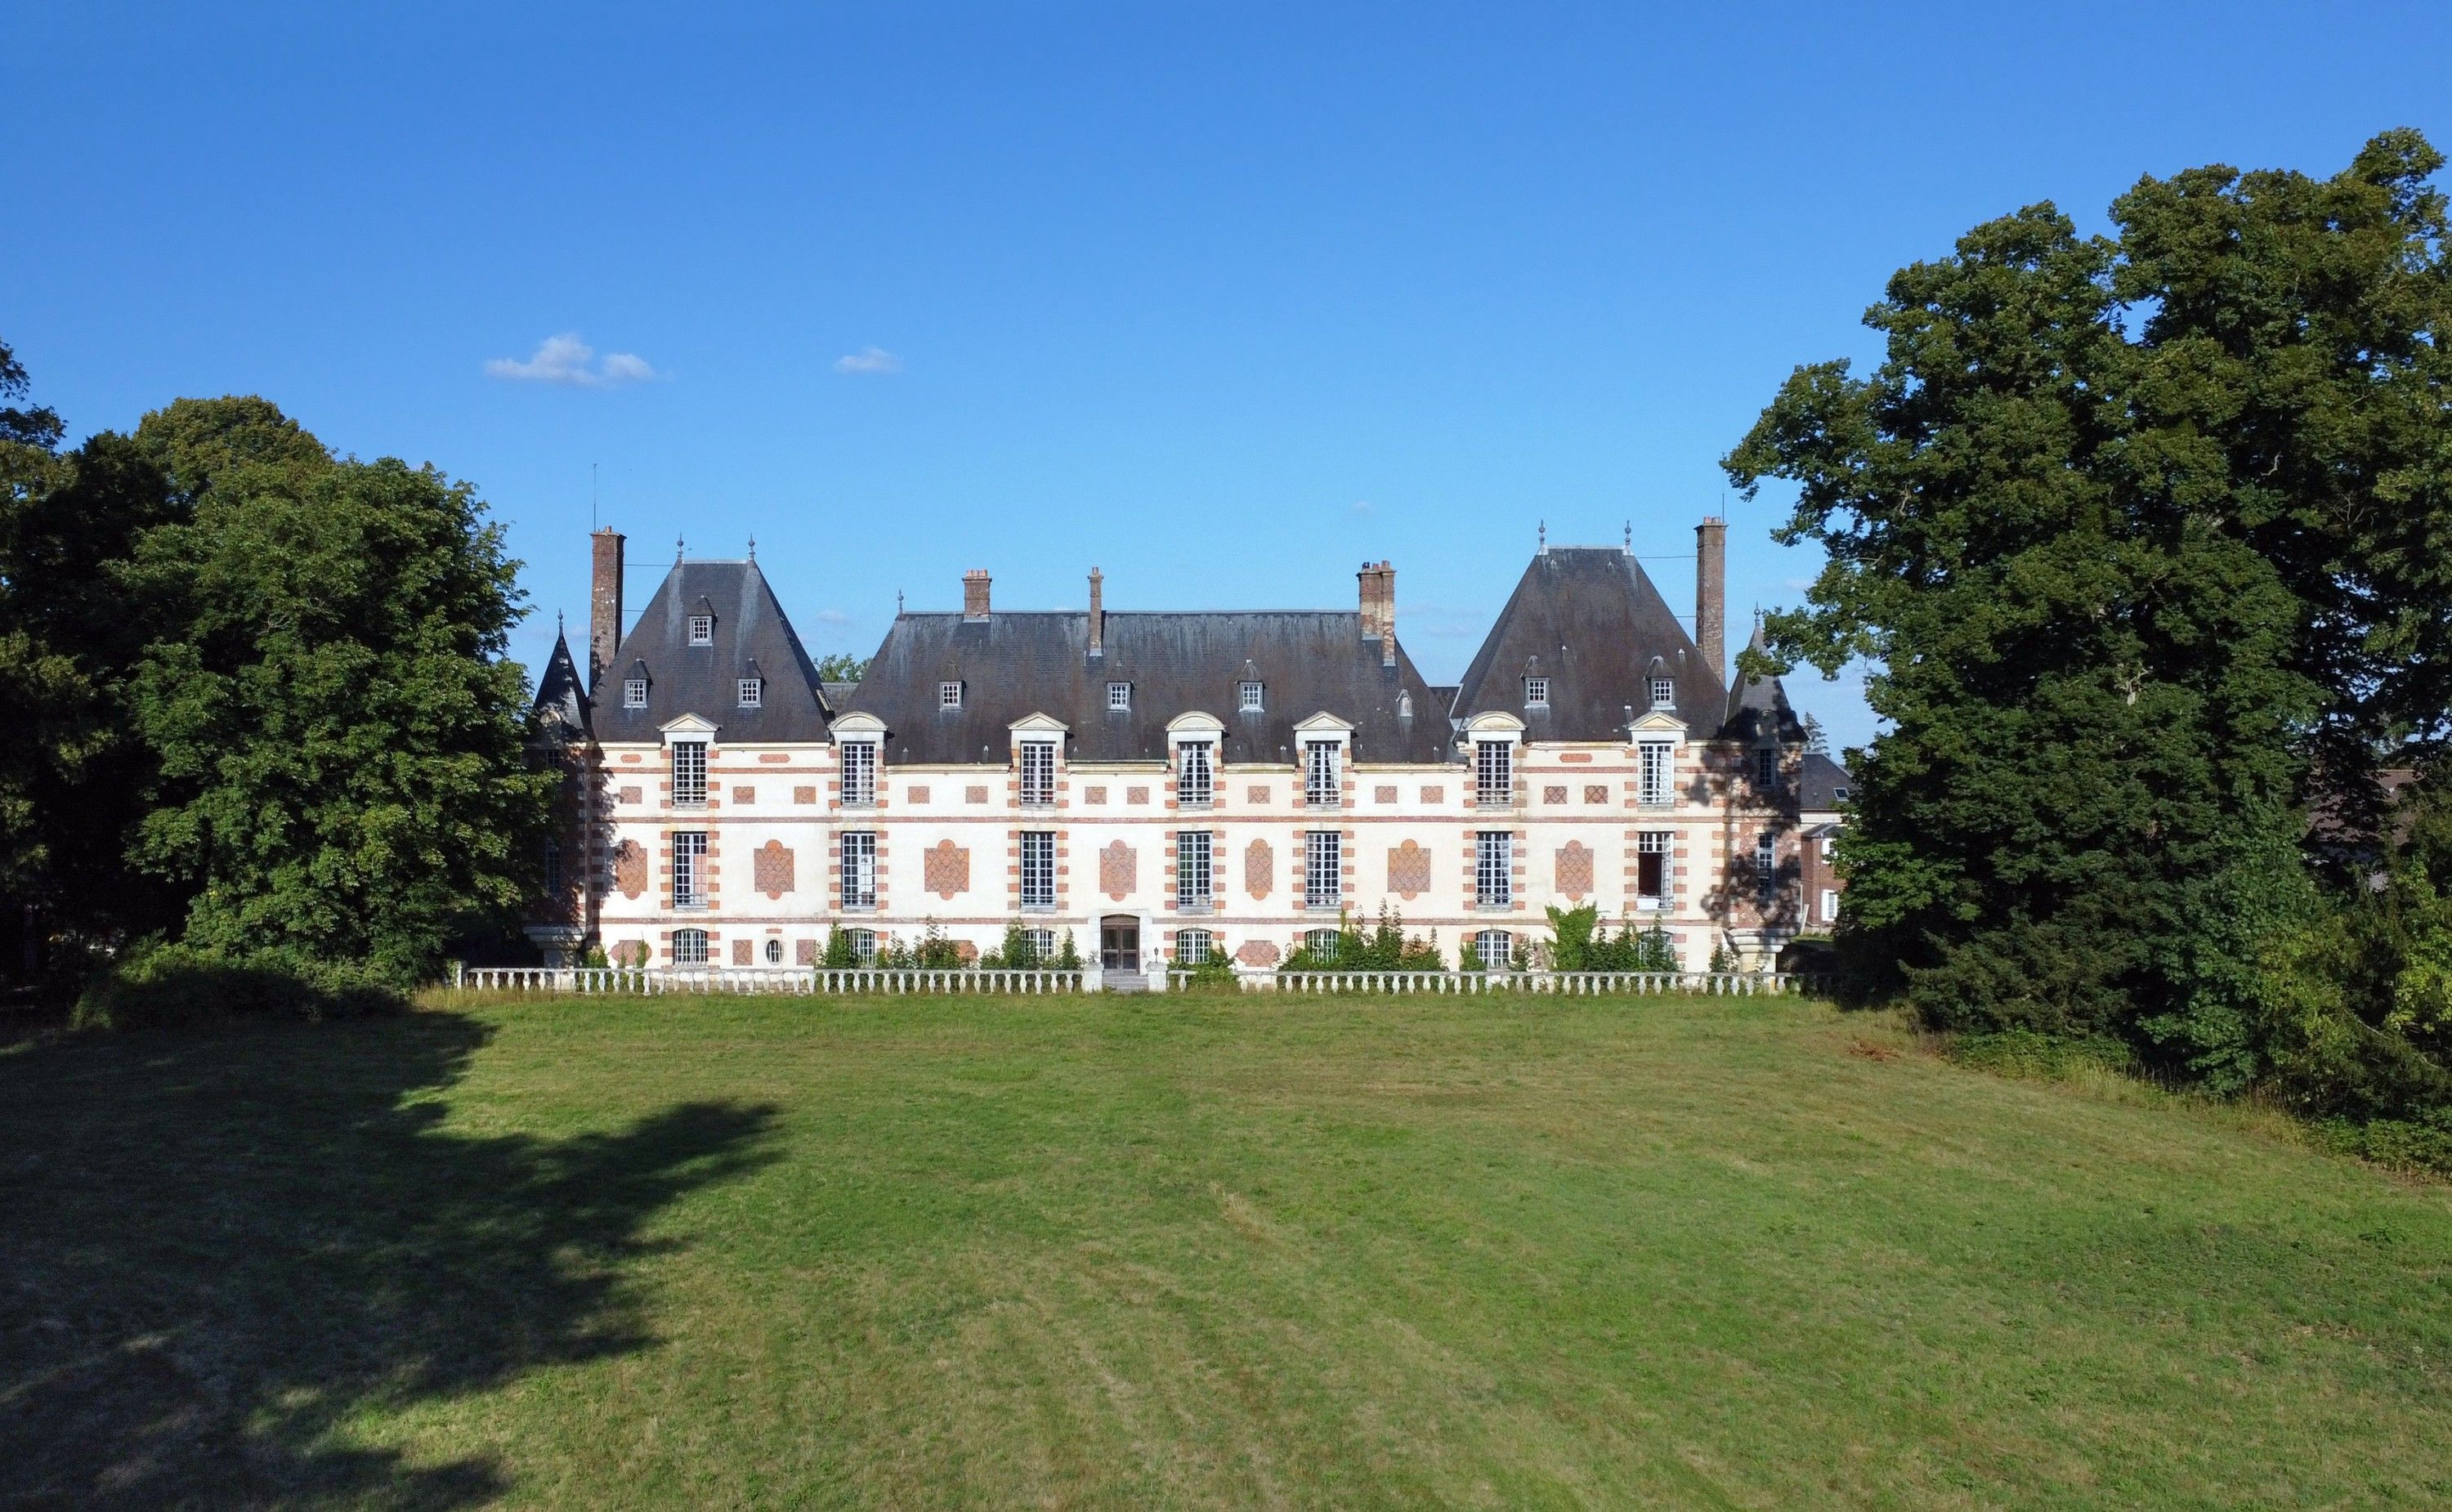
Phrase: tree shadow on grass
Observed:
(215, 1249)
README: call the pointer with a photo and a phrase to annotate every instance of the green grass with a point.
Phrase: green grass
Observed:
(1171, 1252)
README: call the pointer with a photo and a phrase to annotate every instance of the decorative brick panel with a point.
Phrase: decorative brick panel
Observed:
(804, 953)
(1596, 793)
(1408, 871)
(773, 759)
(1259, 861)
(974, 794)
(1434, 793)
(631, 954)
(771, 869)
(630, 867)
(1257, 953)
(1256, 794)
(741, 955)
(744, 794)
(1384, 794)
(1118, 866)
(945, 869)
(1555, 794)
(805, 795)
(1574, 869)
(1136, 796)
(919, 794)
(633, 794)
(1094, 794)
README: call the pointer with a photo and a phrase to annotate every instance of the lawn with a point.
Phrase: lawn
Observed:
(1151, 1251)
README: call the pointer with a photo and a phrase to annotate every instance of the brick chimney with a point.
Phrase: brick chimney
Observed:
(975, 594)
(1711, 594)
(1098, 613)
(1378, 607)
(603, 606)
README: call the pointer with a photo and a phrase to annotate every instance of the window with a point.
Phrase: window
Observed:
(1323, 869)
(859, 774)
(1838, 795)
(1651, 849)
(1767, 768)
(1655, 759)
(689, 870)
(689, 947)
(1120, 697)
(1196, 780)
(860, 868)
(689, 774)
(1765, 863)
(1497, 950)
(1494, 774)
(1323, 943)
(1043, 943)
(774, 952)
(1247, 698)
(1537, 691)
(1664, 692)
(863, 946)
(1191, 947)
(634, 693)
(753, 692)
(553, 869)
(1494, 868)
(1321, 787)
(1192, 868)
(949, 696)
(702, 630)
(1038, 868)
(1826, 848)
(1039, 772)
(1829, 904)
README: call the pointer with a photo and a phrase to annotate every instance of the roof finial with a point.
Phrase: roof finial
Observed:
(558, 626)
(680, 548)
(1545, 534)
(753, 548)
(1630, 537)
(898, 601)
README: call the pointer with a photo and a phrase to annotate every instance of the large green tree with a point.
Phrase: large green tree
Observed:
(2146, 537)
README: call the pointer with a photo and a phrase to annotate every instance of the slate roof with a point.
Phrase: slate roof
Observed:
(1588, 619)
(1819, 782)
(561, 697)
(751, 637)
(1013, 665)
(1758, 702)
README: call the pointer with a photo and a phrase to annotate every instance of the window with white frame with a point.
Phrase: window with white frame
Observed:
(774, 952)
(1664, 692)
(1655, 761)
(1652, 852)
(634, 693)
(689, 947)
(1838, 795)
(1494, 868)
(859, 774)
(1766, 862)
(1323, 943)
(1323, 869)
(1496, 949)
(1038, 868)
(1195, 775)
(1320, 785)
(689, 869)
(1039, 772)
(863, 946)
(753, 692)
(1191, 947)
(1537, 692)
(859, 868)
(689, 774)
(1829, 904)
(1247, 698)
(1192, 868)
(1767, 768)
(1826, 848)
(1119, 697)
(949, 696)
(1042, 944)
(702, 630)
(1494, 773)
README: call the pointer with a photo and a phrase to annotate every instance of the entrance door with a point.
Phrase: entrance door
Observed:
(1119, 943)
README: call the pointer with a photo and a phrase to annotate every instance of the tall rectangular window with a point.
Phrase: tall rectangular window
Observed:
(553, 870)
(1196, 780)
(1494, 868)
(1765, 863)
(1496, 949)
(1651, 868)
(1654, 766)
(1829, 904)
(858, 870)
(1037, 869)
(689, 869)
(1320, 786)
(859, 774)
(1494, 774)
(689, 947)
(1192, 868)
(1323, 869)
(689, 774)
(1767, 768)
(1039, 772)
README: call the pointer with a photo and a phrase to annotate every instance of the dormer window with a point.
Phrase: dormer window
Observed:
(1119, 697)
(1664, 692)
(1321, 786)
(1536, 693)
(1196, 777)
(949, 696)
(689, 774)
(702, 630)
(1839, 795)
(1247, 698)
(634, 693)
(753, 692)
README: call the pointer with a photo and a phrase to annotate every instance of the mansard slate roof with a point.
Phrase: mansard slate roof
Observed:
(562, 700)
(1588, 619)
(752, 638)
(1818, 783)
(1013, 665)
(1759, 705)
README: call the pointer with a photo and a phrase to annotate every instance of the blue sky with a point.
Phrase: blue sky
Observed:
(1224, 299)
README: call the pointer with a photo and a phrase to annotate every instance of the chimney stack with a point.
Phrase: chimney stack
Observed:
(1711, 594)
(975, 594)
(603, 606)
(1378, 607)
(1098, 613)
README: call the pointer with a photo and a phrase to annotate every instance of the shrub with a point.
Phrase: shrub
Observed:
(176, 985)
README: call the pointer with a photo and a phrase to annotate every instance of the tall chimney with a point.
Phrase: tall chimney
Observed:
(603, 606)
(975, 594)
(1711, 594)
(1098, 613)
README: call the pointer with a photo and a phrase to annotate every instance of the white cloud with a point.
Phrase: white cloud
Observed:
(833, 617)
(869, 360)
(1364, 506)
(565, 358)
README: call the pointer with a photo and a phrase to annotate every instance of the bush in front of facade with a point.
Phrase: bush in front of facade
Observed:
(176, 985)
(1385, 947)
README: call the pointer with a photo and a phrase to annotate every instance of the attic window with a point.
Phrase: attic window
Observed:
(1839, 795)
(702, 630)
(1119, 697)
(949, 696)
(634, 693)
(1537, 692)
(1664, 692)
(752, 692)
(1247, 698)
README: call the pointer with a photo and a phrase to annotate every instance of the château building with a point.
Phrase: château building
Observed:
(1167, 785)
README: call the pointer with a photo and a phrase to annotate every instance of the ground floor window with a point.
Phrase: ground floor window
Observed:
(774, 952)
(1496, 949)
(689, 947)
(1042, 944)
(863, 946)
(1321, 943)
(1191, 947)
